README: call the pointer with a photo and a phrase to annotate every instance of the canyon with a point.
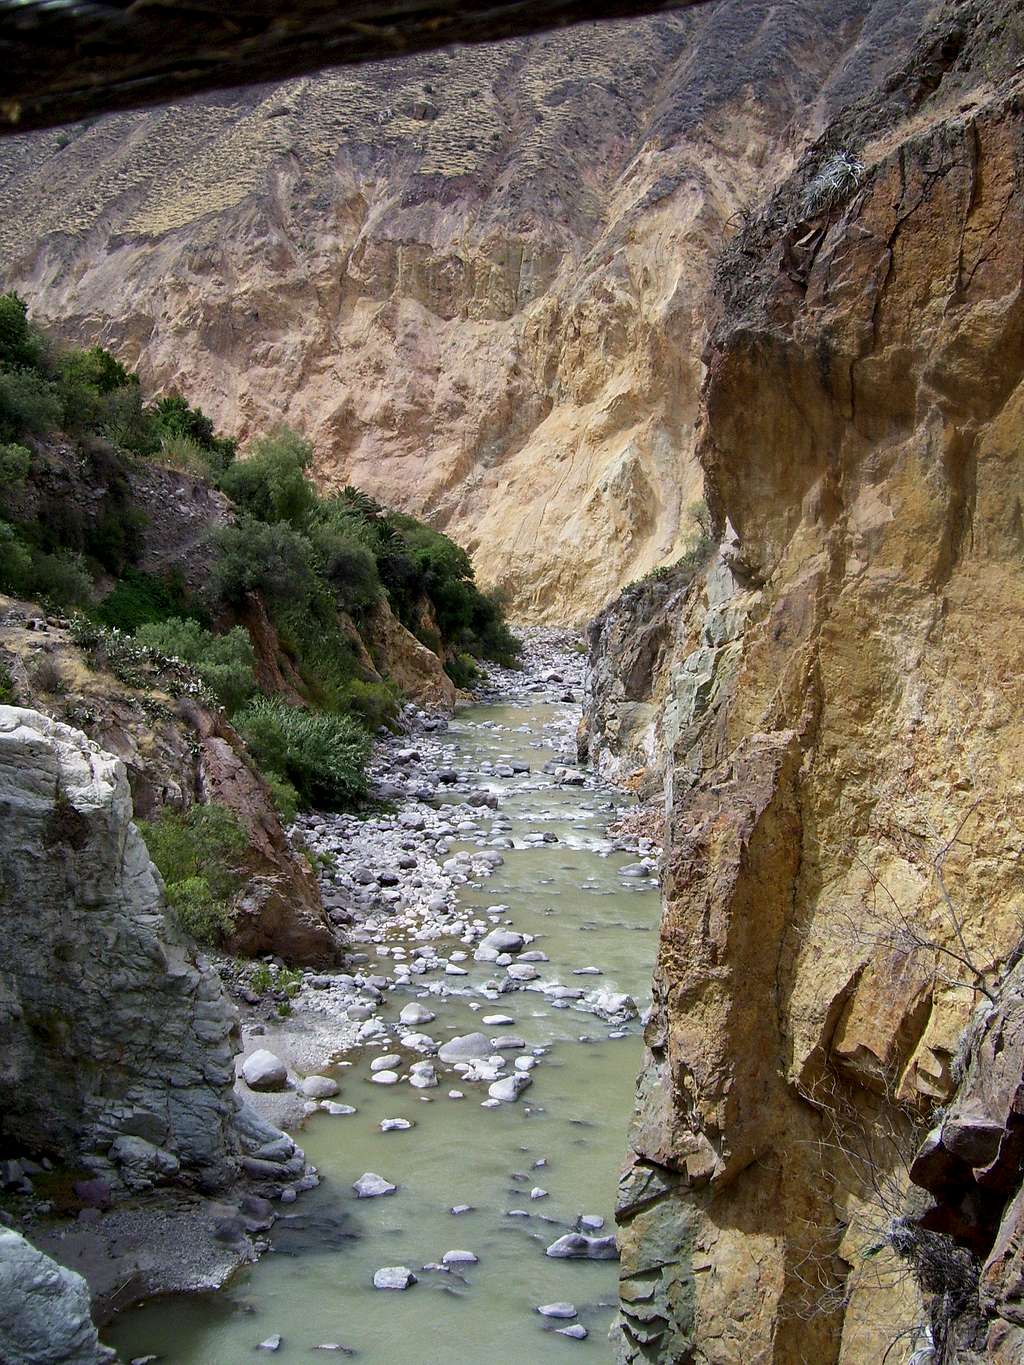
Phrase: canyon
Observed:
(555, 296)
(477, 279)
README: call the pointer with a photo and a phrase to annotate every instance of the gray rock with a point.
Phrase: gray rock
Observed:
(504, 941)
(509, 1088)
(467, 1047)
(372, 1186)
(271, 1344)
(126, 971)
(459, 1258)
(45, 1318)
(575, 1247)
(393, 1277)
(414, 1014)
(319, 1087)
(264, 1070)
(557, 1310)
(576, 1332)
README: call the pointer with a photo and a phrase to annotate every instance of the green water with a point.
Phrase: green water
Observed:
(315, 1286)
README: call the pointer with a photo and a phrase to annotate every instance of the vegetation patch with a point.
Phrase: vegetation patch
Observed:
(198, 853)
(322, 755)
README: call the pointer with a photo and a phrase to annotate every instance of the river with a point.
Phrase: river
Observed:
(564, 1136)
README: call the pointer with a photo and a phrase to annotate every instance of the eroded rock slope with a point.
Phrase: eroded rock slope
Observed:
(478, 279)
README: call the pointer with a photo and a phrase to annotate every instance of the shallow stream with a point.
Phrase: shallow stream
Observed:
(565, 1135)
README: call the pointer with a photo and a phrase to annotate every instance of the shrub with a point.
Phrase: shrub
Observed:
(138, 598)
(21, 345)
(15, 462)
(48, 676)
(346, 561)
(275, 561)
(182, 428)
(29, 404)
(129, 424)
(15, 562)
(835, 180)
(225, 663)
(284, 796)
(373, 703)
(323, 756)
(97, 368)
(271, 483)
(462, 670)
(198, 855)
(8, 693)
(59, 579)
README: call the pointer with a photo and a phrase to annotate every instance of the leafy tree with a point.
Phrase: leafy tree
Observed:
(21, 346)
(29, 404)
(254, 557)
(271, 483)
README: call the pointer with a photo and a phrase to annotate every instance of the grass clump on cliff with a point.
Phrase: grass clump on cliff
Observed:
(198, 853)
(323, 756)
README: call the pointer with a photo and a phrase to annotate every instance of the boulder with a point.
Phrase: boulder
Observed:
(467, 1047)
(264, 1070)
(45, 1317)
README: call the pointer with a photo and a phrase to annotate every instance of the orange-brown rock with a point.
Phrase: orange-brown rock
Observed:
(837, 708)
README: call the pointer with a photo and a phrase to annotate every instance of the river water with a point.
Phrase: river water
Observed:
(565, 1135)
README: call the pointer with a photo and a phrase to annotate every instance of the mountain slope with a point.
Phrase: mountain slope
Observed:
(477, 279)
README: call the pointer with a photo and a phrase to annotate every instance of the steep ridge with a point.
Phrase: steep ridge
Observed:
(833, 703)
(476, 279)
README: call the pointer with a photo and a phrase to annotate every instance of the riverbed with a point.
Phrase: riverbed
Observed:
(521, 1173)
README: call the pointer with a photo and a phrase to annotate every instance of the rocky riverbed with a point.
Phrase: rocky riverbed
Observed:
(493, 971)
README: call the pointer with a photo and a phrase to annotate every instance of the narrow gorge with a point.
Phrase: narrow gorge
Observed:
(442, 502)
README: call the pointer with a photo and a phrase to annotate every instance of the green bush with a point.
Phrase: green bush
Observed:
(21, 346)
(8, 695)
(374, 704)
(345, 559)
(29, 405)
(284, 796)
(225, 663)
(138, 598)
(176, 422)
(97, 368)
(270, 483)
(275, 561)
(198, 855)
(59, 579)
(323, 756)
(15, 462)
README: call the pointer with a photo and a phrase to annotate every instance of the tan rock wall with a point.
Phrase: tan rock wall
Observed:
(843, 863)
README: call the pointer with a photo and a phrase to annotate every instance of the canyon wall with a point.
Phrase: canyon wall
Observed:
(477, 279)
(832, 700)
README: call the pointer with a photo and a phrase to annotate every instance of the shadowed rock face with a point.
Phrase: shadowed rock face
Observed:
(835, 709)
(117, 1043)
(478, 279)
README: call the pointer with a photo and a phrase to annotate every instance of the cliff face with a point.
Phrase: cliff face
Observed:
(477, 279)
(118, 1045)
(836, 708)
